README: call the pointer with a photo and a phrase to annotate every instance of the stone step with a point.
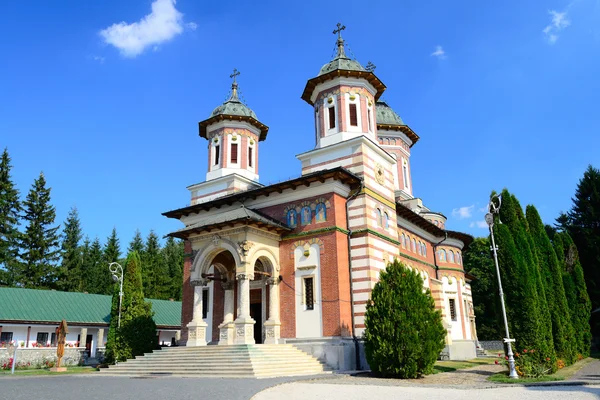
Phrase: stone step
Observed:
(170, 365)
(221, 356)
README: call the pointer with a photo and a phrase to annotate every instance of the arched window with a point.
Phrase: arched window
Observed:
(292, 218)
(403, 241)
(424, 249)
(451, 256)
(458, 260)
(378, 216)
(387, 220)
(306, 215)
(419, 248)
(321, 213)
(414, 245)
(442, 255)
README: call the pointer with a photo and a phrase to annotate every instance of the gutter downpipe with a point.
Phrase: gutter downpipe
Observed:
(435, 254)
(354, 338)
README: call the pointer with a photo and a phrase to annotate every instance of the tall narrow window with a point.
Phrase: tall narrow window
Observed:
(387, 220)
(309, 299)
(353, 116)
(204, 303)
(53, 342)
(369, 118)
(419, 248)
(331, 117)
(250, 158)
(217, 154)
(452, 309)
(451, 256)
(414, 245)
(405, 172)
(403, 241)
(234, 153)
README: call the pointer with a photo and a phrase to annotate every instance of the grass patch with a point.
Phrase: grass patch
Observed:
(44, 371)
(449, 366)
(560, 375)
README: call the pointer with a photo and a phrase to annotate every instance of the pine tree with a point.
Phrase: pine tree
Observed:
(582, 223)
(172, 255)
(580, 306)
(403, 330)
(86, 265)
(137, 334)
(70, 278)
(136, 244)
(39, 243)
(562, 329)
(10, 209)
(478, 261)
(150, 258)
(530, 323)
(112, 249)
(97, 278)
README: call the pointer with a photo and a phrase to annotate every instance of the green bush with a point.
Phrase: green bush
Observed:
(404, 334)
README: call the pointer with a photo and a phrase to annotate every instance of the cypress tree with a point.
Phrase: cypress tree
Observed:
(39, 243)
(136, 244)
(532, 325)
(137, 334)
(172, 255)
(112, 248)
(580, 306)
(404, 334)
(478, 261)
(562, 329)
(10, 209)
(70, 278)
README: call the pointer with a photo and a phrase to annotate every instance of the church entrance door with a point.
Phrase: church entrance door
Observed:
(256, 314)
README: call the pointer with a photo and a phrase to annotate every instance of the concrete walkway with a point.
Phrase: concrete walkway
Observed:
(590, 374)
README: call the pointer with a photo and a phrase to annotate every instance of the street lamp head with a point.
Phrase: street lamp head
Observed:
(489, 219)
(115, 278)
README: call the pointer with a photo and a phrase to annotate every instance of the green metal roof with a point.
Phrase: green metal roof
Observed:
(387, 116)
(31, 305)
(233, 106)
(341, 61)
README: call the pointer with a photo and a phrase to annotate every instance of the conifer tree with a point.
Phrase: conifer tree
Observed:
(562, 329)
(70, 275)
(137, 334)
(404, 334)
(136, 244)
(98, 278)
(172, 255)
(39, 243)
(576, 292)
(150, 267)
(112, 248)
(10, 209)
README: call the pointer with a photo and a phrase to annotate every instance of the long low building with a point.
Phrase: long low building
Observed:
(30, 318)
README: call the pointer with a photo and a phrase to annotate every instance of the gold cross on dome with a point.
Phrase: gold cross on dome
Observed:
(339, 30)
(235, 73)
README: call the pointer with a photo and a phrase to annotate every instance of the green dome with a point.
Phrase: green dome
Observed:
(387, 116)
(341, 63)
(233, 106)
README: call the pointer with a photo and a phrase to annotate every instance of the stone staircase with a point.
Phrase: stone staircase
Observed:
(237, 361)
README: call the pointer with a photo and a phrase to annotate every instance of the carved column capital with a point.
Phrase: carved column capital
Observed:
(272, 281)
(229, 285)
(198, 282)
(245, 276)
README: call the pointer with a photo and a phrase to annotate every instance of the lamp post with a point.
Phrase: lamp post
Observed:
(494, 208)
(117, 275)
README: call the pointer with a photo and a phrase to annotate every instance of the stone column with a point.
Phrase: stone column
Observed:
(82, 337)
(100, 337)
(244, 324)
(197, 326)
(227, 328)
(273, 324)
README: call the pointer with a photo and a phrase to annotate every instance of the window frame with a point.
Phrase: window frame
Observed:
(331, 117)
(205, 304)
(353, 112)
(308, 306)
(3, 336)
(231, 153)
(38, 341)
(452, 308)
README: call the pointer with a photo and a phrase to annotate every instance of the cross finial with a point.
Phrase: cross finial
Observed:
(339, 30)
(234, 75)
(370, 67)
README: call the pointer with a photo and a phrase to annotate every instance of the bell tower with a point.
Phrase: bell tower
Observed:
(233, 133)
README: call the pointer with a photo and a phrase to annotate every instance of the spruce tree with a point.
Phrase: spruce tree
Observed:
(137, 334)
(562, 329)
(478, 261)
(580, 306)
(404, 334)
(172, 255)
(150, 258)
(10, 209)
(112, 248)
(531, 324)
(136, 244)
(39, 243)
(70, 275)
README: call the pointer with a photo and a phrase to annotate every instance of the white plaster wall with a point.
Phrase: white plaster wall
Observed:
(451, 292)
(309, 323)
(166, 337)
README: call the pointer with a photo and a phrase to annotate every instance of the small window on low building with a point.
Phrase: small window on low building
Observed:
(331, 117)
(452, 303)
(6, 337)
(353, 115)
(309, 299)
(205, 303)
(53, 339)
(42, 338)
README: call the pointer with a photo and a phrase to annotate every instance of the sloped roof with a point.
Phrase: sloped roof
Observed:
(44, 306)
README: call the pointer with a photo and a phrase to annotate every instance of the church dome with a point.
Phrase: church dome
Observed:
(341, 62)
(233, 106)
(387, 116)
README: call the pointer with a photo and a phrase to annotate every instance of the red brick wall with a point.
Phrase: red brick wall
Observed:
(187, 292)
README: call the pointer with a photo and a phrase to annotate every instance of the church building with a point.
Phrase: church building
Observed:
(295, 262)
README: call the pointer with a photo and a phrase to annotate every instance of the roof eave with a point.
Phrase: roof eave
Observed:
(202, 125)
(207, 228)
(369, 76)
(401, 128)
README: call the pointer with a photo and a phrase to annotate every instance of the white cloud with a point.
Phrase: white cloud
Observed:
(558, 23)
(463, 212)
(439, 53)
(99, 59)
(161, 25)
(478, 224)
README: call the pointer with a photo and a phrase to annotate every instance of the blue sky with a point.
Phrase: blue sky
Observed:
(503, 94)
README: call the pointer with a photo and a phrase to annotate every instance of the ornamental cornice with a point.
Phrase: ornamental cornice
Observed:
(236, 231)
